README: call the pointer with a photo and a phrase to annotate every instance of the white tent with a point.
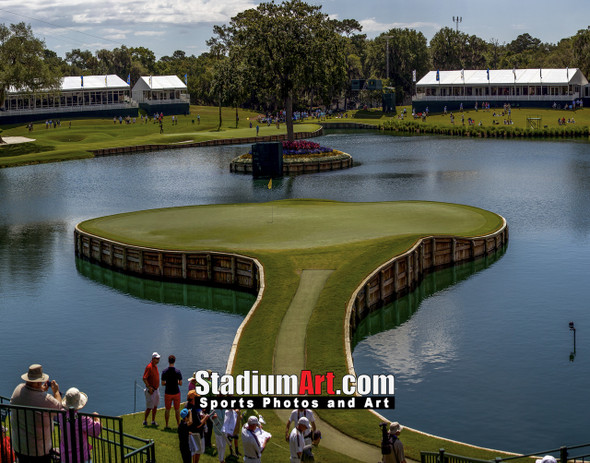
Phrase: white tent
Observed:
(480, 77)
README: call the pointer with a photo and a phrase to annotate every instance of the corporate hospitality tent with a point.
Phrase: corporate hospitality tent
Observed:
(77, 96)
(166, 94)
(518, 87)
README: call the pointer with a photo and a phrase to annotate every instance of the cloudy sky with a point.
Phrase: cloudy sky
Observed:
(168, 25)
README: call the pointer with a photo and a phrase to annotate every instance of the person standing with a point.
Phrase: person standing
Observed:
(217, 418)
(172, 379)
(184, 435)
(197, 429)
(6, 453)
(296, 439)
(151, 379)
(84, 426)
(391, 447)
(253, 447)
(296, 415)
(231, 427)
(31, 431)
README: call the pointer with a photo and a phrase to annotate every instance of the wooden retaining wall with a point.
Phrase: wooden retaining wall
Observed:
(348, 125)
(401, 274)
(219, 142)
(302, 167)
(203, 267)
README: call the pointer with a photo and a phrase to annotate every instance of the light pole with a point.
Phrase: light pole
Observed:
(387, 37)
(457, 20)
(573, 354)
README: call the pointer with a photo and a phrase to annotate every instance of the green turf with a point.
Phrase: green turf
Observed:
(352, 239)
(84, 135)
(288, 224)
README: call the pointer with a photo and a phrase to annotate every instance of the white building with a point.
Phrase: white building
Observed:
(518, 87)
(167, 94)
(78, 96)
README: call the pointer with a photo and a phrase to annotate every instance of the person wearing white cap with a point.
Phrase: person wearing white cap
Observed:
(297, 440)
(392, 448)
(308, 434)
(31, 434)
(253, 444)
(75, 399)
(151, 379)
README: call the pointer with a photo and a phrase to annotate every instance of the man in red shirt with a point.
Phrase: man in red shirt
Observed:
(151, 378)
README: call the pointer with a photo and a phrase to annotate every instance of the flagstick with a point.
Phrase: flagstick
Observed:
(272, 206)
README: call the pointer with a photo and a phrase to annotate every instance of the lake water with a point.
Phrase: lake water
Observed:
(486, 359)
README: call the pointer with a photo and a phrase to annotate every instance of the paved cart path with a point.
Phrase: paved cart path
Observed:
(290, 359)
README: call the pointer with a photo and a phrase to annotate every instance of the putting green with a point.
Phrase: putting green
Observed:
(289, 224)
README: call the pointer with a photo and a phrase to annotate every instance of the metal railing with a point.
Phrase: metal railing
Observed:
(562, 455)
(68, 109)
(479, 98)
(68, 436)
(181, 99)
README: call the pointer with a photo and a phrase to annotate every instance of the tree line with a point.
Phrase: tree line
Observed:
(278, 55)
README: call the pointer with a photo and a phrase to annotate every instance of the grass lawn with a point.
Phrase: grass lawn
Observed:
(167, 450)
(84, 135)
(352, 239)
(519, 117)
(76, 142)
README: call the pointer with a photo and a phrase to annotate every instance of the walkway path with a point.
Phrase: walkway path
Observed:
(290, 359)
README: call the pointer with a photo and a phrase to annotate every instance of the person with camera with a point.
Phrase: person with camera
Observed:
(392, 448)
(31, 430)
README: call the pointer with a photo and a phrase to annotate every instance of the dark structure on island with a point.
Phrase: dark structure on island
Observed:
(267, 160)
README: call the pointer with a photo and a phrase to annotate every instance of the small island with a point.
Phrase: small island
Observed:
(300, 157)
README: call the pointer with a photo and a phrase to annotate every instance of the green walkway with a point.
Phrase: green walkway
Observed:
(290, 359)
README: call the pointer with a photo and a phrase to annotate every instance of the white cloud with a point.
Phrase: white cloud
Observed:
(175, 12)
(114, 34)
(150, 33)
(371, 25)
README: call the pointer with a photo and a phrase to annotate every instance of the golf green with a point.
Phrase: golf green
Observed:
(289, 224)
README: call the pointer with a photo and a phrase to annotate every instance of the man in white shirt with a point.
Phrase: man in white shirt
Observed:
(253, 442)
(296, 439)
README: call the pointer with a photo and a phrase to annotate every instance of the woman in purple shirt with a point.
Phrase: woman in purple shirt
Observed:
(84, 426)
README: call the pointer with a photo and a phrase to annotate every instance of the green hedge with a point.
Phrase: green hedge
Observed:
(495, 131)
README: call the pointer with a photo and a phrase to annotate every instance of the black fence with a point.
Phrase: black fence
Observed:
(67, 436)
(574, 453)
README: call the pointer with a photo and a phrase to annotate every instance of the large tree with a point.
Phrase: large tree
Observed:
(22, 62)
(290, 50)
(451, 49)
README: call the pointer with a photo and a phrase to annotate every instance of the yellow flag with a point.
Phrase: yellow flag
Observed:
(270, 184)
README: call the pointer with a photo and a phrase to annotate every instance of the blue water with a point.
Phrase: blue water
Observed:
(486, 361)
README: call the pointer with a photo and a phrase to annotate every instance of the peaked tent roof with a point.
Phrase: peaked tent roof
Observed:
(93, 82)
(537, 76)
(102, 82)
(161, 82)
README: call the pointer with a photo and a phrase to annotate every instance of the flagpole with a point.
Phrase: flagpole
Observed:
(272, 206)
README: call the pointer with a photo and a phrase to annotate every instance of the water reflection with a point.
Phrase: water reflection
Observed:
(196, 296)
(26, 250)
(401, 310)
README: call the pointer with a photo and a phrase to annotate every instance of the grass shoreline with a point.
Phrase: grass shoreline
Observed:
(84, 136)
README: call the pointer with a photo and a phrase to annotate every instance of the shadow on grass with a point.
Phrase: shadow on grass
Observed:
(20, 149)
(364, 114)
